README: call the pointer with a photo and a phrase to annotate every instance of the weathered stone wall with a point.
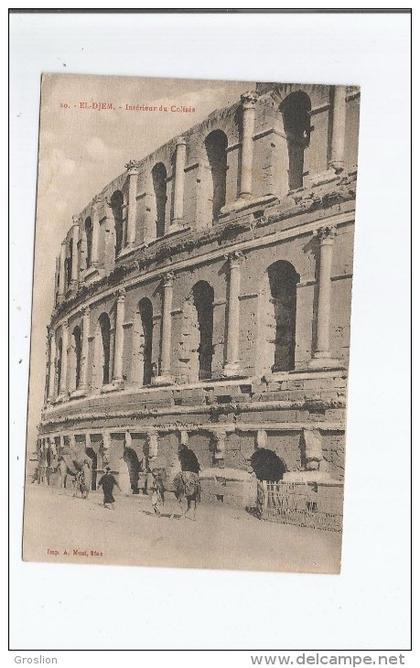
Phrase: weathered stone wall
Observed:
(298, 411)
(300, 252)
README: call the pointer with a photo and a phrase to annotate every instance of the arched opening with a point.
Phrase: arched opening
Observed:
(89, 235)
(145, 334)
(105, 341)
(203, 296)
(195, 344)
(216, 144)
(58, 363)
(77, 348)
(67, 265)
(296, 110)
(117, 200)
(57, 280)
(159, 178)
(133, 466)
(277, 319)
(267, 465)
(283, 279)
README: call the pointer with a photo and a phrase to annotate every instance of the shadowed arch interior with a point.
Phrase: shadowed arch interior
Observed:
(267, 465)
(159, 178)
(105, 339)
(58, 364)
(117, 200)
(77, 347)
(216, 145)
(146, 337)
(282, 279)
(296, 110)
(133, 466)
(203, 297)
(89, 235)
(67, 264)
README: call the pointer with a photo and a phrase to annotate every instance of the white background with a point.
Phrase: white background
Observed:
(367, 606)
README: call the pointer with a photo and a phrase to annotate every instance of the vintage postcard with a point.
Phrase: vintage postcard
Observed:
(191, 323)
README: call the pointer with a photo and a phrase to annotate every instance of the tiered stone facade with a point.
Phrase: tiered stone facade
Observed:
(204, 297)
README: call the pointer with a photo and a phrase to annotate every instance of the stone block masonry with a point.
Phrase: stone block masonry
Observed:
(204, 297)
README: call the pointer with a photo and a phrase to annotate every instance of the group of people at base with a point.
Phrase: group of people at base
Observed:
(50, 474)
(186, 483)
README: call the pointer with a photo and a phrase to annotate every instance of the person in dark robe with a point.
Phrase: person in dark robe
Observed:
(108, 482)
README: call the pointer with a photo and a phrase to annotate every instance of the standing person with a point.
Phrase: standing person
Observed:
(42, 477)
(158, 492)
(43, 465)
(80, 485)
(87, 475)
(108, 483)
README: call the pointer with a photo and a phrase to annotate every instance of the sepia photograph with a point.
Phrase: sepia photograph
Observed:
(191, 318)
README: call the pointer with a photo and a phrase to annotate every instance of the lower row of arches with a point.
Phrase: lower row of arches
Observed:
(269, 453)
(66, 455)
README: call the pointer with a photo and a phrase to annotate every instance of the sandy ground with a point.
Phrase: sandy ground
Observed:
(56, 525)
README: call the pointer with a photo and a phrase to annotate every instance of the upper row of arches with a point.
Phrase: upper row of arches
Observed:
(212, 178)
(295, 110)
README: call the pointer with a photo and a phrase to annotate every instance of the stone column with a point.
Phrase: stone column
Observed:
(72, 443)
(261, 439)
(219, 438)
(106, 448)
(62, 275)
(53, 447)
(51, 366)
(247, 148)
(148, 223)
(231, 367)
(74, 256)
(336, 161)
(95, 232)
(164, 376)
(133, 172)
(152, 442)
(87, 440)
(322, 356)
(119, 337)
(180, 155)
(85, 349)
(312, 449)
(183, 437)
(63, 371)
